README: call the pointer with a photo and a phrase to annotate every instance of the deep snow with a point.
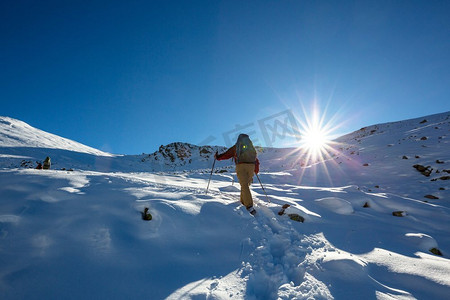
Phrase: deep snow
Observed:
(79, 234)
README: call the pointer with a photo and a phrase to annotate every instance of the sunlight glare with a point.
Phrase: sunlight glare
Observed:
(315, 137)
(317, 149)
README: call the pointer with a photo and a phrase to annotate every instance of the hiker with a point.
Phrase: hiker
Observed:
(47, 163)
(247, 164)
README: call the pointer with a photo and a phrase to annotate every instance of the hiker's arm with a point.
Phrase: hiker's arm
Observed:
(257, 166)
(228, 154)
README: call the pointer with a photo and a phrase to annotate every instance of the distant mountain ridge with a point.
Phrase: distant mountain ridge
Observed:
(181, 154)
(22, 145)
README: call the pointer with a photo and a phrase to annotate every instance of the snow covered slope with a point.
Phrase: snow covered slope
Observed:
(375, 225)
(22, 145)
(15, 133)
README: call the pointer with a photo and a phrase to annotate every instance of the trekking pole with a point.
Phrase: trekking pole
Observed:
(210, 175)
(262, 187)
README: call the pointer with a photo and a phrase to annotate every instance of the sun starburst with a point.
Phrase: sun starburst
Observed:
(316, 149)
(316, 136)
(315, 140)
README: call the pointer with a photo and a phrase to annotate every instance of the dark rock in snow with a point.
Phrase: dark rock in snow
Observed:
(439, 161)
(293, 217)
(146, 216)
(296, 217)
(26, 164)
(419, 168)
(203, 150)
(405, 157)
(431, 197)
(426, 171)
(283, 208)
(399, 213)
(436, 251)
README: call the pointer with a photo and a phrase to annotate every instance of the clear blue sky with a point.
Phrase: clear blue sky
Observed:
(128, 76)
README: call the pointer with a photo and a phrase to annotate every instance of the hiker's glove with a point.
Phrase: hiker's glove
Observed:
(216, 155)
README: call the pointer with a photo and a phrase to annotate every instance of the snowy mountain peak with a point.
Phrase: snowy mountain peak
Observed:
(16, 133)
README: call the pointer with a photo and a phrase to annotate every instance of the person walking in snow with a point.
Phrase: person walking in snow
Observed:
(47, 163)
(247, 164)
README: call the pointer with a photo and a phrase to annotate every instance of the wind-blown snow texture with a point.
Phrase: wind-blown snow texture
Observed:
(79, 234)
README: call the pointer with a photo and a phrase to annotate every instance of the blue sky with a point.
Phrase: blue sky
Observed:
(128, 76)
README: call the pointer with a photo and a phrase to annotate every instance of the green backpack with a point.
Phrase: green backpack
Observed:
(245, 151)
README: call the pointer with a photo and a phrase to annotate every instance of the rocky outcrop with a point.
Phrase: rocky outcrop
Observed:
(182, 154)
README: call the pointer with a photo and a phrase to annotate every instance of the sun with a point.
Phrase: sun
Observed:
(315, 134)
(315, 139)
(317, 147)
(316, 142)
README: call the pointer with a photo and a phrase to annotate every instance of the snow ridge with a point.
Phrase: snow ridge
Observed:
(15, 133)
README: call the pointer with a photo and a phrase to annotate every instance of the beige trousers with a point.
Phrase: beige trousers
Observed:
(245, 174)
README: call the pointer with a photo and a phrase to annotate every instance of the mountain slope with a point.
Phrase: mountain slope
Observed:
(15, 133)
(22, 145)
(79, 234)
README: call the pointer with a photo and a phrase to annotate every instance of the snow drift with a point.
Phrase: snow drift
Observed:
(79, 234)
